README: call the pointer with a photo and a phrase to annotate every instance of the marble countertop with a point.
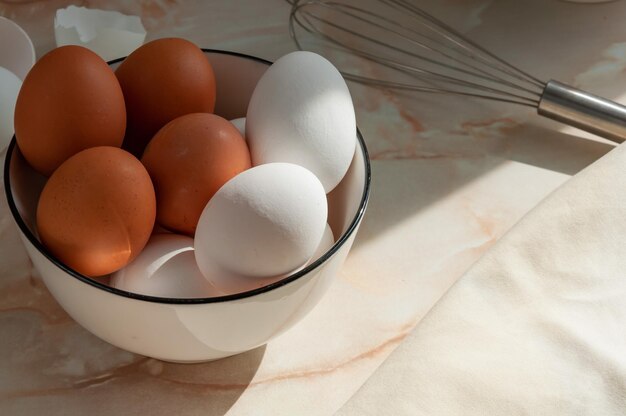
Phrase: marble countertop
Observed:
(450, 176)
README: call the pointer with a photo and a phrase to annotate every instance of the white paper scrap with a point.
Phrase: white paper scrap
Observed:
(110, 34)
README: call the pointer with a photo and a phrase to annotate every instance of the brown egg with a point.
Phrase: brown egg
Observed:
(97, 210)
(162, 80)
(69, 101)
(189, 160)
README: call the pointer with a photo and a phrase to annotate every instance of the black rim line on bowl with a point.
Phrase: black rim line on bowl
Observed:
(225, 298)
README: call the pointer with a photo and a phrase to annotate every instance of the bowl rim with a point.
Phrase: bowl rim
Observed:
(25, 230)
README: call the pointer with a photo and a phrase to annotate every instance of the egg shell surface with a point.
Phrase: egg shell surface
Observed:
(108, 33)
(70, 101)
(97, 210)
(162, 80)
(264, 222)
(166, 268)
(189, 160)
(301, 112)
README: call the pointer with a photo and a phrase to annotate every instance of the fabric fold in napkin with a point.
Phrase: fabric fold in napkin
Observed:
(536, 327)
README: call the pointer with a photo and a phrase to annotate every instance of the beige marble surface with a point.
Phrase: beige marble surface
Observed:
(449, 177)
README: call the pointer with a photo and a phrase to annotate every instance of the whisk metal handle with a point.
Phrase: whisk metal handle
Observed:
(583, 110)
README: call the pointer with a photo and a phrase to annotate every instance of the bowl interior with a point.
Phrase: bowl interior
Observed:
(236, 76)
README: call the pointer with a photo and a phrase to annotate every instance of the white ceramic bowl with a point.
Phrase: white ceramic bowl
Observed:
(191, 330)
(17, 53)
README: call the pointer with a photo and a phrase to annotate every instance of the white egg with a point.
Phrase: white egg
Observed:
(265, 222)
(301, 112)
(240, 123)
(230, 283)
(166, 268)
(10, 86)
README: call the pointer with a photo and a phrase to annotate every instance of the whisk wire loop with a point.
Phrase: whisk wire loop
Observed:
(464, 42)
(468, 70)
(405, 48)
(446, 56)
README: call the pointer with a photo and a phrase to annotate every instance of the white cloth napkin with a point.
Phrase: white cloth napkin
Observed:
(536, 327)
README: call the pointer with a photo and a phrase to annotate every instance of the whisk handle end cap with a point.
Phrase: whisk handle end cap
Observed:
(583, 110)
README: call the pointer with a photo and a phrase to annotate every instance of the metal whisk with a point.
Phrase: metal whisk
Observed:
(397, 45)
